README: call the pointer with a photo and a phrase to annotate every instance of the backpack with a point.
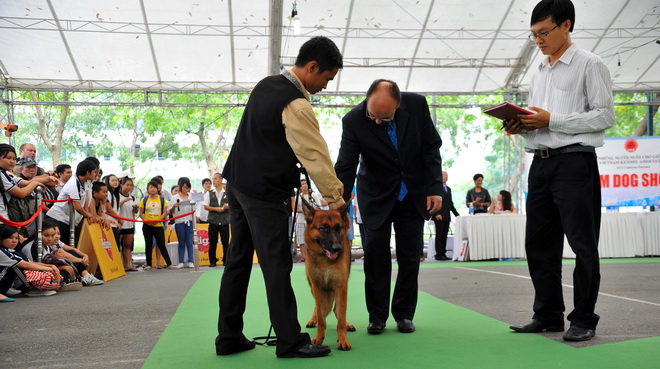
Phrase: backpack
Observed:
(162, 203)
(18, 210)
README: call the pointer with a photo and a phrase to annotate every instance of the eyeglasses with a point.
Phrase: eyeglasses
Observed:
(533, 36)
(382, 120)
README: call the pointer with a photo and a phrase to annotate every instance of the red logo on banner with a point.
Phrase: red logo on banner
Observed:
(203, 240)
(106, 244)
(631, 145)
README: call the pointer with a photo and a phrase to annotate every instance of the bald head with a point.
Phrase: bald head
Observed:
(29, 150)
(383, 98)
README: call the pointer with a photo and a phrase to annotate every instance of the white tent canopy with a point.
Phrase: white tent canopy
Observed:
(449, 46)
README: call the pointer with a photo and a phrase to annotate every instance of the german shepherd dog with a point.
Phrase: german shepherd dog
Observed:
(328, 265)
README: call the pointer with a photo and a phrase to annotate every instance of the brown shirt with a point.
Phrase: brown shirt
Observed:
(304, 136)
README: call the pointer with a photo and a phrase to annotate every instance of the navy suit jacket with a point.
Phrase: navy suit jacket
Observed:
(381, 167)
(447, 206)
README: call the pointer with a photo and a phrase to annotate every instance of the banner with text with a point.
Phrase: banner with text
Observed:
(630, 171)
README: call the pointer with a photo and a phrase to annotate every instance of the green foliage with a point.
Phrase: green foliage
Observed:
(205, 134)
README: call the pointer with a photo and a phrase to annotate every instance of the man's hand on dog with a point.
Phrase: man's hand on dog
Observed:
(433, 203)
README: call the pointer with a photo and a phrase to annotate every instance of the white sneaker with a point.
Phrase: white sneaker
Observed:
(14, 292)
(191, 265)
(180, 266)
(41, 293)
(90, 280)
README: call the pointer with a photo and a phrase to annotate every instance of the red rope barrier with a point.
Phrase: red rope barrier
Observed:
(67, 200)
(21, 224)
(151, 221)
(41, 207)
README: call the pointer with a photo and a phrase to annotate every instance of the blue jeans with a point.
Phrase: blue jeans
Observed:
(184, 232)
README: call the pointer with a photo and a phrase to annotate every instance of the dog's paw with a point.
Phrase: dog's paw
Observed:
(344, 346)
(317, 340)
(350, 327)
(311, 324)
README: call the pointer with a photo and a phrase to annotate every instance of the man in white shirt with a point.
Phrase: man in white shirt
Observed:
(74, 189)
(202, 213)
(217, 208)
(572, 96)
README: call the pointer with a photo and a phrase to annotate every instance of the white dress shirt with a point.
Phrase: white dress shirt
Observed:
(577, 91)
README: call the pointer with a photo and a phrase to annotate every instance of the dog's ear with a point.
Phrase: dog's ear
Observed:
(344, 210)
(308, 209)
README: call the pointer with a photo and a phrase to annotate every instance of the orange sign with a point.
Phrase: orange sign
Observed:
(99, 243)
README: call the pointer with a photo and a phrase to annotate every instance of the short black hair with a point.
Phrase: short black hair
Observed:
(85, 167)
(7, 231)
(94, 160)
(557, 10)
(395, 92)
(6, 149)
(206, 180)
(184, 181)
(321, 50)
(157, 179)
(62, 168)
(96, 186)
(477, 176)
(49, 224)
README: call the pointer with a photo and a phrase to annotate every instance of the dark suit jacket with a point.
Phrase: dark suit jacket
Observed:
(447, 206)
(417, 161)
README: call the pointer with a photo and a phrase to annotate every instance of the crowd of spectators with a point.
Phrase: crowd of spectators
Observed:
(111, 201)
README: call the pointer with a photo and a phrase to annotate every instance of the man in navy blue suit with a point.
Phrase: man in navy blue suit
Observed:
(393, 139)
(441, 220)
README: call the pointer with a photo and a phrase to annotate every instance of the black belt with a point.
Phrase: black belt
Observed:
(546, 153)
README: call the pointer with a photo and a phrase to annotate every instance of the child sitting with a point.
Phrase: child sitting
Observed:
(37, 279)
(71, 262)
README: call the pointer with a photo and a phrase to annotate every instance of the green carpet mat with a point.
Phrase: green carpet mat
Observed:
(447, 336)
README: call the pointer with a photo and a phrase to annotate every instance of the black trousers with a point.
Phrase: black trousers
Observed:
(441, 231)
(223, 230)
(261, 226)
(408, 228)
(158, 233)
(564, 199)
(7, 277)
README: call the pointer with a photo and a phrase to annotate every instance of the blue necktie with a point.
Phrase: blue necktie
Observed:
(391, 131)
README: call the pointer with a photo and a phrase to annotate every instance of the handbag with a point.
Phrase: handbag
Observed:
(51, 258)
(42, 280)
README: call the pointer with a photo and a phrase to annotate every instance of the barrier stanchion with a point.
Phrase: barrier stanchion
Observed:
(194, 227)
(37, 239)
(72, 226)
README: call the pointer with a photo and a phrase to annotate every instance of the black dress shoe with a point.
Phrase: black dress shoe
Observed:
(579, 334)
(376, 327)
(307, 351)
(441, 258)
(536, 326)
(212, 265)
(240, 346)
(405, 326)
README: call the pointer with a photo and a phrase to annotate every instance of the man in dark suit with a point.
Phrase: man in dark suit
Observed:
(442, 219)
(392, 137)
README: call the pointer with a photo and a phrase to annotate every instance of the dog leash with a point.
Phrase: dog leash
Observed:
(271, 340)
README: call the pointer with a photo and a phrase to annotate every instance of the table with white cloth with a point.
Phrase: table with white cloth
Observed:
(650, 223)
(622, 235)
(491, 236)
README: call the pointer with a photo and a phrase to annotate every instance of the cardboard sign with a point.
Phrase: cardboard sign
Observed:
(100, 244)
(463, 252)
